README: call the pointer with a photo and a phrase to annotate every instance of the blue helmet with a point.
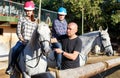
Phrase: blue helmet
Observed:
(62, 11)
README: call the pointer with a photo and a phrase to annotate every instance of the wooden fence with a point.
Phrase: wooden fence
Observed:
(81, 72)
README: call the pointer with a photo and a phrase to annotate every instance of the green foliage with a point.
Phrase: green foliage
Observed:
(96, 13)
(43, 2)
(91, 9)
(115, 18)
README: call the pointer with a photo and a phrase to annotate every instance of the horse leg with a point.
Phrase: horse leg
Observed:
(82, 59)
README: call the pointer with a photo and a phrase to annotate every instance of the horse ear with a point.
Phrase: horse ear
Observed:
(48, 21)
(100, 28)
(106, 29)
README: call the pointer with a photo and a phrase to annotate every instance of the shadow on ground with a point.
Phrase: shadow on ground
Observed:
(111, 73)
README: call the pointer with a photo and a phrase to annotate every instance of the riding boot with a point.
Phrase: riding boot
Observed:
(10, 69)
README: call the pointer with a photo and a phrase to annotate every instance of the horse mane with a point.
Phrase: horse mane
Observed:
(93, 33)
(34, 38)
(88, 40)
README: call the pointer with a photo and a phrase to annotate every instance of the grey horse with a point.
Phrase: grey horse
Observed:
(89, 40)
(33, 58)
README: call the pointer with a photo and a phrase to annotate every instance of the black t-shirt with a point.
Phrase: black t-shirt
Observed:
(70, 45)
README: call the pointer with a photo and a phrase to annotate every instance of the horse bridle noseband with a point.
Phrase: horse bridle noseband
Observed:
(102, 42)
(40, 44)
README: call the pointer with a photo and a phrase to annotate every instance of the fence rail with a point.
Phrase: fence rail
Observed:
(85, 71)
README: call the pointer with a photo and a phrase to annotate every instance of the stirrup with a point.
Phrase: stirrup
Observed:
(10, 70)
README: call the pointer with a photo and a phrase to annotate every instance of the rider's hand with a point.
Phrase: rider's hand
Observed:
(57, 50)
(53, 40)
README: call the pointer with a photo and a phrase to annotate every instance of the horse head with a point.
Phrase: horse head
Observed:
(44, 36)
(106, 43)
(91, 39)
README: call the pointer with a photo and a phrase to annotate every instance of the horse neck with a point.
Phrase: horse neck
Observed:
(88, 42)
(98, 41)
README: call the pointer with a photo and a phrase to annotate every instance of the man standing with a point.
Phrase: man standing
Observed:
(71, 47)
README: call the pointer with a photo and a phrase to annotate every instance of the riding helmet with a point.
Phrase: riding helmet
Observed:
(29, 5)
(62, 11)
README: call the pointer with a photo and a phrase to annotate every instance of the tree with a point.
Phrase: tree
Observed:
(89, 8)
(96, 13)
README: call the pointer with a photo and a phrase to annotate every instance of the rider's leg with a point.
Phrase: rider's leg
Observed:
(58, 57)
(16, 51)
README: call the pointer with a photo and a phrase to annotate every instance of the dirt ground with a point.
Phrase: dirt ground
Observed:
(112, 73)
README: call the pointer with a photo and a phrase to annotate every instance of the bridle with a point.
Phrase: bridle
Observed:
(101, 40)
(41, 44)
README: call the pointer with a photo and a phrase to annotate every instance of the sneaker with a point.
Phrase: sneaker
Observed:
(10, 70)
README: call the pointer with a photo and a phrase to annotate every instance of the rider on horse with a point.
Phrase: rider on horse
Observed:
(25, 28)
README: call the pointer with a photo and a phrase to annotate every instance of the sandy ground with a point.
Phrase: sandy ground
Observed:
(3, 65)
(112, 73)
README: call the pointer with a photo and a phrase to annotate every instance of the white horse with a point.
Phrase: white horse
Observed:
(89, 40)
(33, 58)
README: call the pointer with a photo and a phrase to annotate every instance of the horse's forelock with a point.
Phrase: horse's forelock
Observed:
(42, 32)
(42, 26)
(105, 34)
(43, 29)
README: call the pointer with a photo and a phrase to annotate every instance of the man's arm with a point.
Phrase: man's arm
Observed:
(74, 54)
(71, 56)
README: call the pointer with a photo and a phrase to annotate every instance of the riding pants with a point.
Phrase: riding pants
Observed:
(58, 57)
(17, 49)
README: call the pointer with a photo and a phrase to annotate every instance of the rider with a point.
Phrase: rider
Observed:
(26, 26)
(59, 27)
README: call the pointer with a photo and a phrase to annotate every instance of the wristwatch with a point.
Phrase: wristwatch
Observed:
(62, 52)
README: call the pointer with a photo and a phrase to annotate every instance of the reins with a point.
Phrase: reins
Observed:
(42, 52)
(36, 63)
(102, 42)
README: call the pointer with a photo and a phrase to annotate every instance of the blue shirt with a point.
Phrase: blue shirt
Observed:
(59, 28)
